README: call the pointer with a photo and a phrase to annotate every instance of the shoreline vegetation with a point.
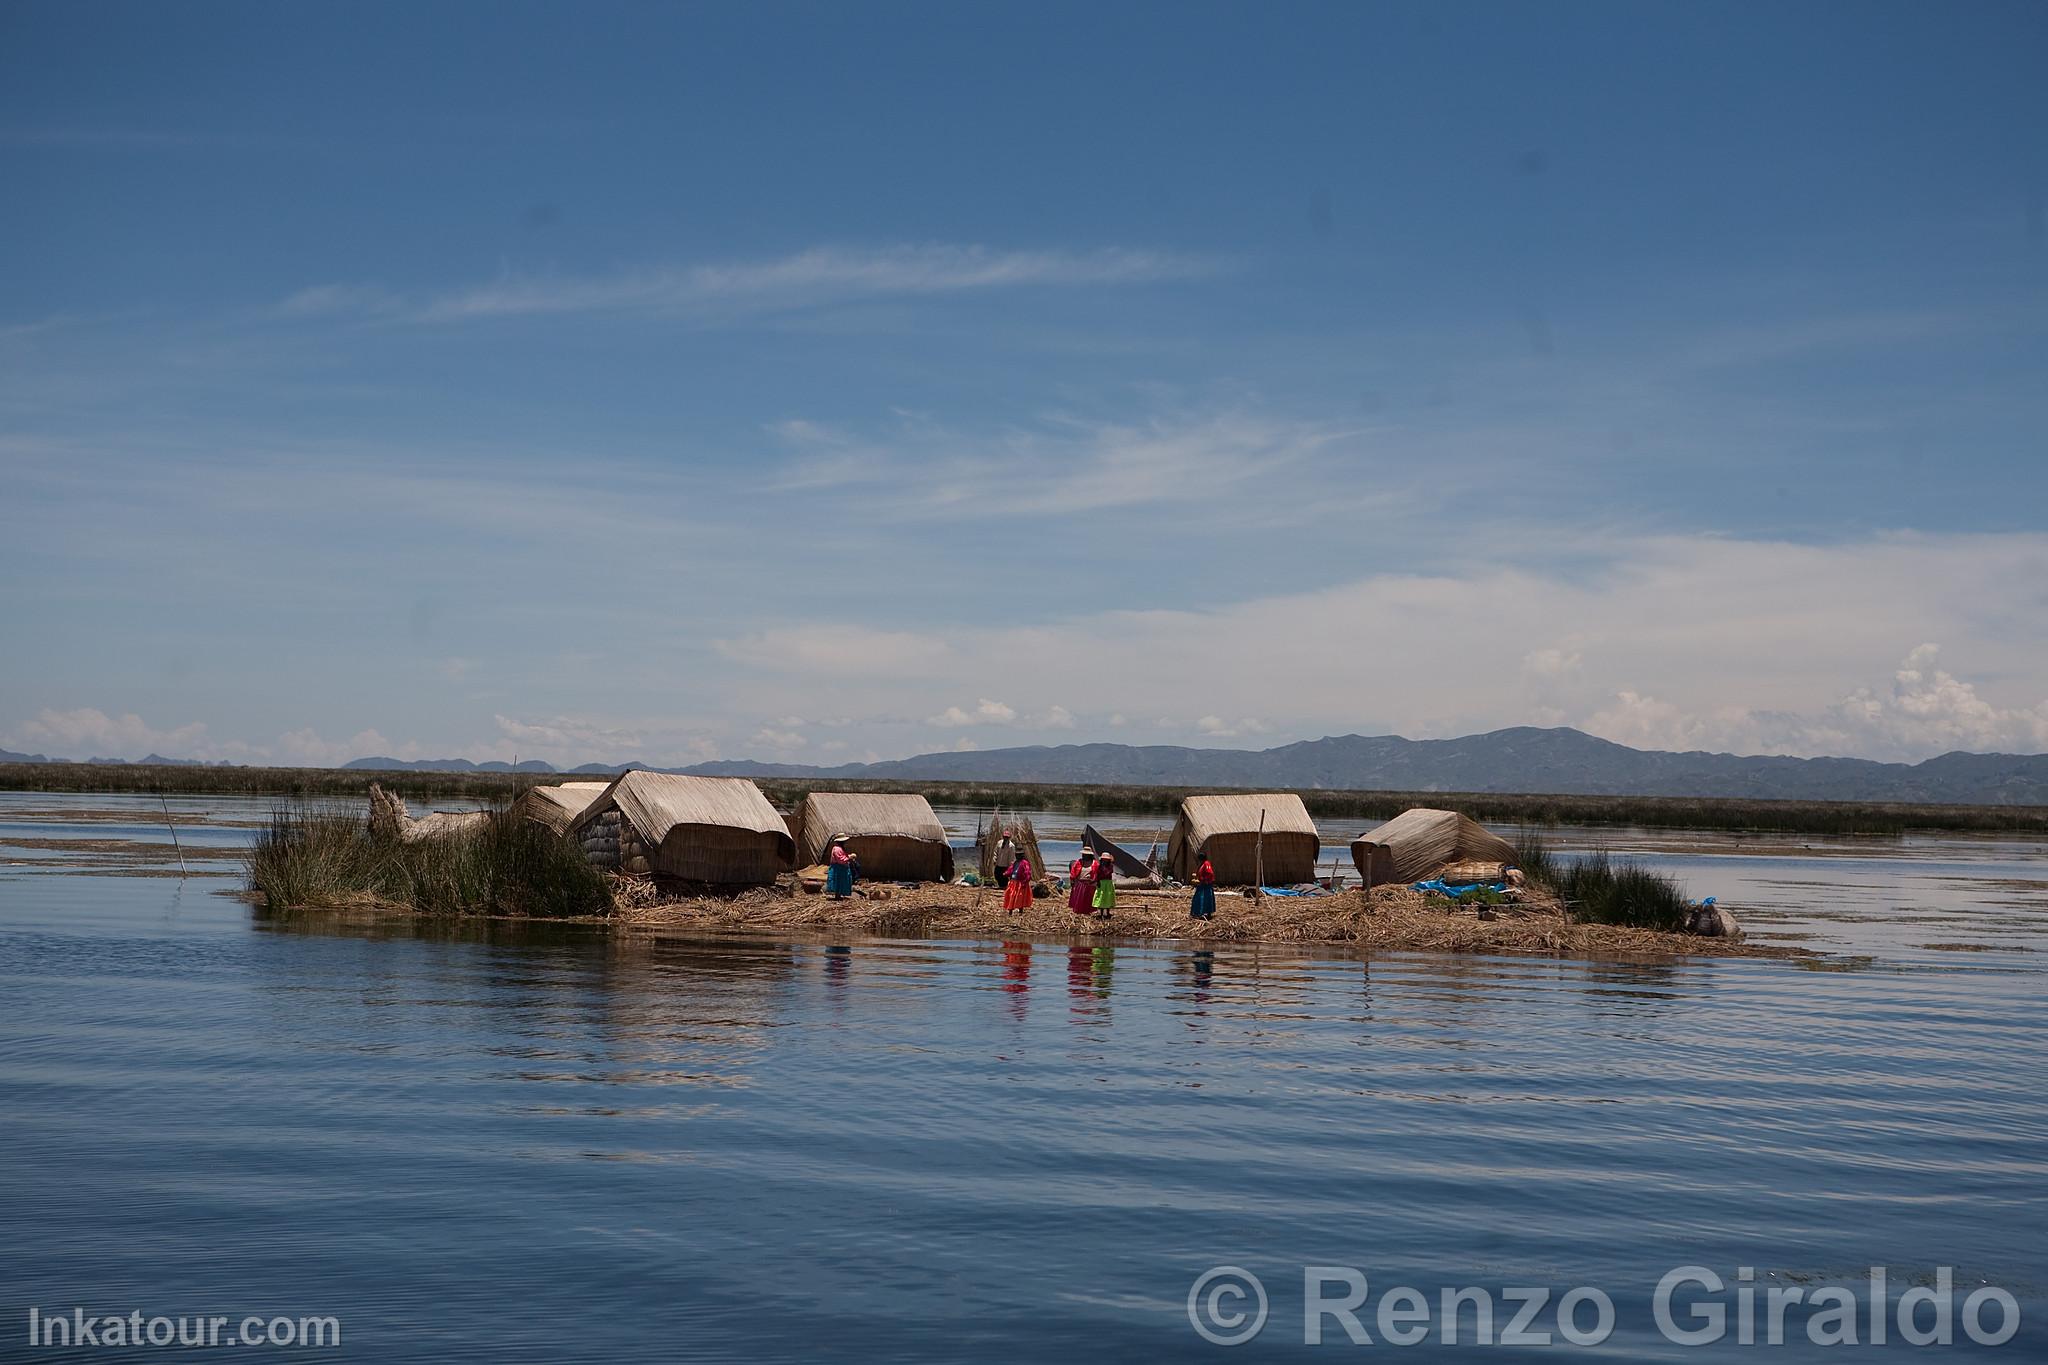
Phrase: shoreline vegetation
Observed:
(312, 860)
(1655, 812)
(503, 865)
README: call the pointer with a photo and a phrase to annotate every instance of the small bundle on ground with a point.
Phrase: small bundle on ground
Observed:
(895, 835)
(718, 830)
(1240, 834)
(1420, 843)
(558, 806)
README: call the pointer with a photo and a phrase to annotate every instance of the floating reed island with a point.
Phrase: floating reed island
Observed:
(1385, 919)
(651, 849)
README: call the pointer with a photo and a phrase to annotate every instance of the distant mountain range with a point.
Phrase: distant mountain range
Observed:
(463, 765)
(1524, 759)
(149, 760)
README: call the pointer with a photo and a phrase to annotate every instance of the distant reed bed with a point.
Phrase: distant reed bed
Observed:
(313, 858)
(1366, 807)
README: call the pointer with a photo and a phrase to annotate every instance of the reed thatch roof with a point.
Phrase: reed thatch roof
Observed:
(559, 805)
(1418, 843)
(713, 829)
(896, 834)
(1227, 830)
(1282, 812)
(658, 802)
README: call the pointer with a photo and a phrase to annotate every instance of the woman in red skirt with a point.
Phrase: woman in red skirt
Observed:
(1017, 895)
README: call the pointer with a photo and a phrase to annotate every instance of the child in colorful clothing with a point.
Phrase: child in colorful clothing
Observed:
(1105, 885)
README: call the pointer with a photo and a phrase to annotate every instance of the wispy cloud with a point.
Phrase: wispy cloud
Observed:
(331, 300)
(819, 275)
(1079, 465)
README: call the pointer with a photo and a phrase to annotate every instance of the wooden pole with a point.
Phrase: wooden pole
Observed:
(174, 834)
(995, 816)
(1259, 859)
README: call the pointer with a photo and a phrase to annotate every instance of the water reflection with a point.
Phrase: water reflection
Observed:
(1017, 977)
(838, 965)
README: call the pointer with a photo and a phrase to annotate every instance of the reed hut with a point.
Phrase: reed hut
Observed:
(895, 835)
(1018, 827)
(719, 830)
(1419, 843)
(558, 806)
(1227, 830)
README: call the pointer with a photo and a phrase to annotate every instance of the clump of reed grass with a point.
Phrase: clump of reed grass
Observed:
(1599, 889)
(309, 858)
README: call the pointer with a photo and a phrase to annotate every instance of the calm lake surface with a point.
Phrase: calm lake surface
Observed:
(498, 1143)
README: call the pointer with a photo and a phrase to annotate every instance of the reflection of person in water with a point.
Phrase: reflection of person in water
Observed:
(1201, 974)
(838, 958)
(1017, 976)
(1105, 963)
(1080, 971)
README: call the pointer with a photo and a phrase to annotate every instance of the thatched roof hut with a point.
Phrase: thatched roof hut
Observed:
(1226, 828)
(559, 805)
(700, 829)
(895, 835)
(1419, 843)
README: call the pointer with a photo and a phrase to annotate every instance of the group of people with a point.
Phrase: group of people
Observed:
(1091, 881)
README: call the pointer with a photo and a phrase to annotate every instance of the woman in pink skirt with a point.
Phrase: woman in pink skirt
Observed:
(1081, 898)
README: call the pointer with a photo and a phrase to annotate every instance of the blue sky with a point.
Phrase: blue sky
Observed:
(827, 382)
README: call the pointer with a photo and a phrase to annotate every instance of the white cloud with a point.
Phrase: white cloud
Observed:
(1081, 466)
(825, 649)
(333, 300)
(1669, 641)
(565, 734)
(304, 748)
(1056, 718)
(1552, 662)
(820, 275)
(1216, 727)
(985, 712)
(88, 732)
(781, 743)
(1924, 711)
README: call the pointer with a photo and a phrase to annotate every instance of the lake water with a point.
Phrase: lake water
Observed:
(503, 1143)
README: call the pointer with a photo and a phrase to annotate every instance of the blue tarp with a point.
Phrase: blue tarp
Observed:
(1443, 888)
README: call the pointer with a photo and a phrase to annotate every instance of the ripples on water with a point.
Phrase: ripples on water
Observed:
(499, 1143)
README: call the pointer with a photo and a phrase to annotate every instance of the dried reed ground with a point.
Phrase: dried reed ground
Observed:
(1391, 919)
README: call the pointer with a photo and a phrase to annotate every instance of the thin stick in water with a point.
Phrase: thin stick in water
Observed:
(174, 835)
